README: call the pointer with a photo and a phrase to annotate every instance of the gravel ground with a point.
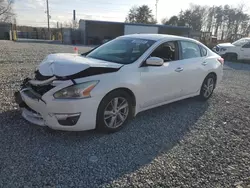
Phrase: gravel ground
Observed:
(184, 144)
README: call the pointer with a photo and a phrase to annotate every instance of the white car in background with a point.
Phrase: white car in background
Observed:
(109, 85)
(238, 50)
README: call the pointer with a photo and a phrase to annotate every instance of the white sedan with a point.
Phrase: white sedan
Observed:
(105, 87)
(238, 50)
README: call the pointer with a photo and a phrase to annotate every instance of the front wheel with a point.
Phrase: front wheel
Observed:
(114, 111)
(231, 57)
(207, 87)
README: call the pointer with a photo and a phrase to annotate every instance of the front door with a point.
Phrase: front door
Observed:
(245, 51)
(160, 84)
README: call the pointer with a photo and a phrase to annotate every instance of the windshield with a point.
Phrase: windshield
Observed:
(122, 50)
(240, 42)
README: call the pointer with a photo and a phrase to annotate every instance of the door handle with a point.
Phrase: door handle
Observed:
(179, 69)
(204, 63)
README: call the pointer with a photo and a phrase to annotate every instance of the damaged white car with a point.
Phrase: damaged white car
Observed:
(109, 85)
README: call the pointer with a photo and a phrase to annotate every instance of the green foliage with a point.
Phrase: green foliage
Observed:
(142, 14)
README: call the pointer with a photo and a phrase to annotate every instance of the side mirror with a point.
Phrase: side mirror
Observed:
(155, 61)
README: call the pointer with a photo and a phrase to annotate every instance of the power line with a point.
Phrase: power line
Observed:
(109, 3)
(98, 3)
(58, 11)
(70, 10)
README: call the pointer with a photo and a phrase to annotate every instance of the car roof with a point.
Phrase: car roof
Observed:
(157, 37)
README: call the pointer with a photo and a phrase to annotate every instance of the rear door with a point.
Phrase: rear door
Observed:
(245, 51)
(193, 62)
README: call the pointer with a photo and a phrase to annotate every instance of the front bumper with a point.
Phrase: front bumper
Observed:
(68, 115)
(218, 51)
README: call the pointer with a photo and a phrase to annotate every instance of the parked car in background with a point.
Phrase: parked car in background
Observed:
(238, 50)
(109, 85)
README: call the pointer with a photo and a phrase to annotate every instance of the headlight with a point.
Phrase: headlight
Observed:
(223, 49)
(78, 91)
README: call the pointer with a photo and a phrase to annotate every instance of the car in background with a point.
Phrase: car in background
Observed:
(238, 50)
(107, 86)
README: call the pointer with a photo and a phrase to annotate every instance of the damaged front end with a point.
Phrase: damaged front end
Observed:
(36, 110)
(33, 89)
(51, 97)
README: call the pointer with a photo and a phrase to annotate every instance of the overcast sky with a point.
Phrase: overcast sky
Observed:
(32, 12)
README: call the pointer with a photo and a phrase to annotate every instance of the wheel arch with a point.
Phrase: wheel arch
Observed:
(128, 91)
(231, 53)
(214, 75)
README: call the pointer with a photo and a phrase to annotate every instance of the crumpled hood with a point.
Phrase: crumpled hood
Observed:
(226, 45)
(65, 64)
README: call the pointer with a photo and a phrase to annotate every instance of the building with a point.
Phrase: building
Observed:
(5, 31)
(94, 32)
(29, 32)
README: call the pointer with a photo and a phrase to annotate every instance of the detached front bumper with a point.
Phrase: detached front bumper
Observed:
(22, 99)
(68, 115)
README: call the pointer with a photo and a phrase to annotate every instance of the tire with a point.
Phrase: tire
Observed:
(110, 120)
(226, 57)
(231, 57)
(207, 87)
(234, 57)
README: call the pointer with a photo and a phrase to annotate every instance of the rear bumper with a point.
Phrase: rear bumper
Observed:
(68, 115)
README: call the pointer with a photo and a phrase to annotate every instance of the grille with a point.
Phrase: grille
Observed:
(42, 89)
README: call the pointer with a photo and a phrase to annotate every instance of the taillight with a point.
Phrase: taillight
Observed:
(221, 60)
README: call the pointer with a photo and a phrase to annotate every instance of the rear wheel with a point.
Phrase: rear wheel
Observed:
(234, 57)
(231, 57)
(114, 111)
(207, 87)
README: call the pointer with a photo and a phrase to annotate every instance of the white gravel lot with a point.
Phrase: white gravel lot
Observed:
(184, 144)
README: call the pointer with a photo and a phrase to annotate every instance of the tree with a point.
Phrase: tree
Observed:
(218, 19)
(164, 20)
(210, 19)
(142, 14)
(174, 20)
(224, 22)
(6, 12)
(192, 17)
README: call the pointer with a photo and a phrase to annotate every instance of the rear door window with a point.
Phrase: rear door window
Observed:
(190, 50)
(203, 51)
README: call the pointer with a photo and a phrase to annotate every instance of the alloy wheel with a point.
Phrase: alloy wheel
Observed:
(116, 112)
(208, 87)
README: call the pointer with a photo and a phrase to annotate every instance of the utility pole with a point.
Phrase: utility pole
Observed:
(48, 16)
(74, 19)
(156, 10)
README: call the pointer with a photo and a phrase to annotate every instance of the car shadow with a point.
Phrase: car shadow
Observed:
(239, 65)
(37, 156)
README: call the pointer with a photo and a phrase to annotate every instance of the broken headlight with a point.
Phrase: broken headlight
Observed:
(78, 91)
